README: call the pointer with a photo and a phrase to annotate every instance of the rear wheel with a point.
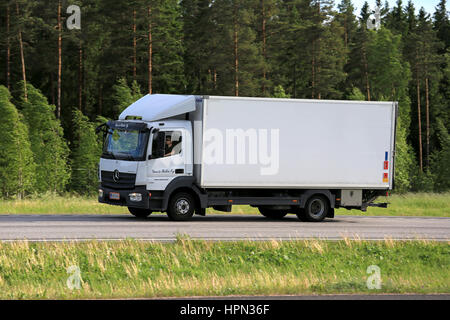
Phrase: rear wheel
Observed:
(272, 214)
(139, 212)
(316, 209)
(181, 207)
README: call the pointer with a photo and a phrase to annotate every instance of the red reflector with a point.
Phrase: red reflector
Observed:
(387, 193)
(149, 194)
(386, 165)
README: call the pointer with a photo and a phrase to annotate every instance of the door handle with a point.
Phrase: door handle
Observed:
(179, 171)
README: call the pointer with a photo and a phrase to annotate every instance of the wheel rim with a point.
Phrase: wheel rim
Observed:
(182, 206)
(317, 207)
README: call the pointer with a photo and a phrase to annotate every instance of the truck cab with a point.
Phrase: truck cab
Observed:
(141, 158)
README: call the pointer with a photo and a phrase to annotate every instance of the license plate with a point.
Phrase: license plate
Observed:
(114, 196)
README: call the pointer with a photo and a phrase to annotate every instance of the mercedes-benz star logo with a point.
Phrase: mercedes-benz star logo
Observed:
(116, 176)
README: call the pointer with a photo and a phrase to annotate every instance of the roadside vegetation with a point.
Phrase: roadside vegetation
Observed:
(411, 204)
(198, 268)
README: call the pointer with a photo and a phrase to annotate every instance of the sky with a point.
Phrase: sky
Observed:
(428, 5)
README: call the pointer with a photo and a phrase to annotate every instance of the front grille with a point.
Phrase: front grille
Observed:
(126, 180)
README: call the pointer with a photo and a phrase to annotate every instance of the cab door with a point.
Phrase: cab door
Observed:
(167, 159)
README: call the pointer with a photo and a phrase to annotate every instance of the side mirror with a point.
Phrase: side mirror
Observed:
(100, 127)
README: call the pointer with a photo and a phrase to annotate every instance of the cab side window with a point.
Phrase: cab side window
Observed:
(166, 144)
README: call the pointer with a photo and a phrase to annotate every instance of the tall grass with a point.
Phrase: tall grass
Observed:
(186, 268)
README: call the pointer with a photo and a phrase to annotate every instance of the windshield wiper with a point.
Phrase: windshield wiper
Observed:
(109, 154)
(125, 156)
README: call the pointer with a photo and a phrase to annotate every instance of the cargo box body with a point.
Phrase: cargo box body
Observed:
(293, 143)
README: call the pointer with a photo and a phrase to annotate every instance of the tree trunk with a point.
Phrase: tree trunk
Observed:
(428, 120)
(100, 100)
(295, 80)
(264, 46)
(319, 96)
(80, 77)
(150, 52)
(8, 51)
(134, 44)
(346, 32)
(366, 71)
(313, 82)
(22, 58)
(58, 107)
(84, 73)
(236, 57)
(419, 120)
(52, 85)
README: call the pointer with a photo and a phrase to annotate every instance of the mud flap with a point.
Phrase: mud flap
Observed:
(330, 213)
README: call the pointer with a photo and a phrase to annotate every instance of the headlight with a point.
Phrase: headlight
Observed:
(135, 197)
(100, 193)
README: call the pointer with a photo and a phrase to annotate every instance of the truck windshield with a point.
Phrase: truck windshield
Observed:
(125, 144)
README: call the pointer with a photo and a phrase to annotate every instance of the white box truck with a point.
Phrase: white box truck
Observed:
(181, 154)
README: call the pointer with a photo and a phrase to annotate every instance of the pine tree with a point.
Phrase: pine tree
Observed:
(16, 158)
(86, 150)
(280, 93)
(167, 47)
(287, 46)
(421, 50)
(267, 11)
(347, 20)
(441, 159)
(357, 66)
(311, 50)
(237, 56)
(331, 57)
(389, 77)
(49, 148)
(442, 24)
(396, 19)
(199, 41)
(21, 48)
(356, 94)
(124, 95)
(8, 47)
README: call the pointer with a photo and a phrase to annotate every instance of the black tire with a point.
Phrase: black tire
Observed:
(272, 214)
(140, 213)
(301, 215)
(316, 209)
(181, 207)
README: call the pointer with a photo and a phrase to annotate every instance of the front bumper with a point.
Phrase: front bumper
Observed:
(124, 199)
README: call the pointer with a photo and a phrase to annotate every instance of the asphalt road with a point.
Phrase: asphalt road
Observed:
(218, 227)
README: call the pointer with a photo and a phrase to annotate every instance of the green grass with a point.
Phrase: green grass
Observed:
(198, 268)
(411, 204)
(54, 204)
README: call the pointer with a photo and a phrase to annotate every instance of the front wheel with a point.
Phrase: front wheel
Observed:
(181, 207)
(139, 212)
(316, 209)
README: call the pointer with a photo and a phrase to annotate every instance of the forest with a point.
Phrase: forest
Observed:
(58, 83)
